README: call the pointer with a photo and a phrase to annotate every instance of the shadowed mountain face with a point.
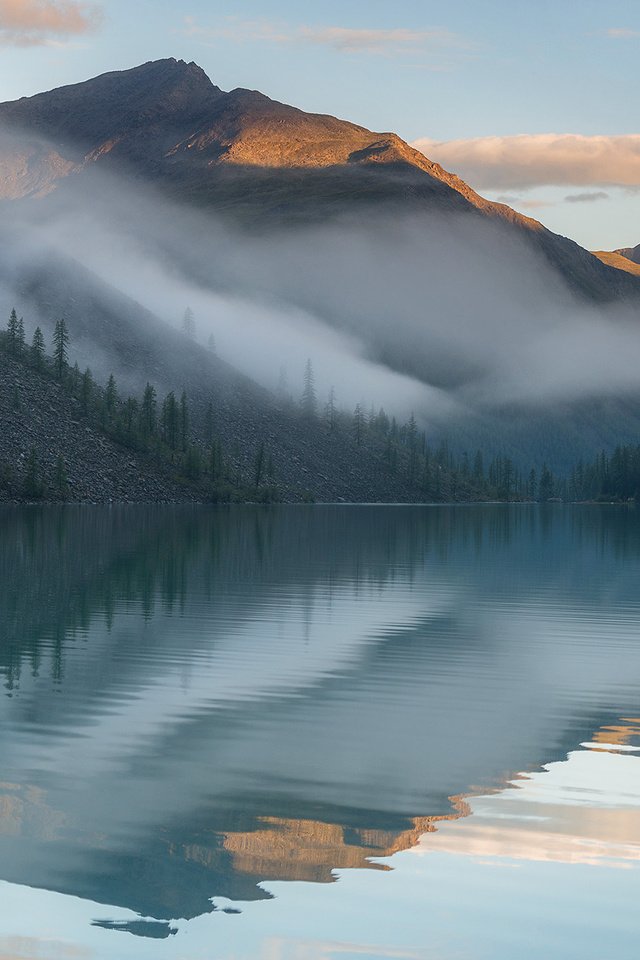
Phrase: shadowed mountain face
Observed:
(245, 154)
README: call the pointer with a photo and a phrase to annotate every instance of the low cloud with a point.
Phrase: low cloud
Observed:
(26, 23)
(550, 159)
(394, 42)
(622, 33)
(588, 197)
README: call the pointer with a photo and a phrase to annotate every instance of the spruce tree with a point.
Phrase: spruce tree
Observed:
(32, 487)
(330, 412)
(86, 391)
(148, 420)
(189, 324)
(60, 348)
(184, 421)
(358, 424)
(111, 396)
(169, 421)
(12, 331)
(309, 400)
(37, 349)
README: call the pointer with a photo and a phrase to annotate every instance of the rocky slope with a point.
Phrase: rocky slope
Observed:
(250, 156)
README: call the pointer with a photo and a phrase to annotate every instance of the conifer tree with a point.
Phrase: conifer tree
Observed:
(38, 349)
(60, 348)
(86, 390)
(358, 424)
(130, 415)
(330, 412)
(148, 412)
(184, 421)
(189, 324)
(169, 421)
(309, 401)
(12, 331)
(20, 336)
(32, 486)
(111, 396)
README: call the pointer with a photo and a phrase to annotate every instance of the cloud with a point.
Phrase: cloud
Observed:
(376, 41)
(535, 204)
(26, 23)
(549, 159)
(589, 197)
(622, 33)
(395, 42)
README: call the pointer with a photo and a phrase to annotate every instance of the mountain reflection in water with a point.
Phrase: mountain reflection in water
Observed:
(202, 702)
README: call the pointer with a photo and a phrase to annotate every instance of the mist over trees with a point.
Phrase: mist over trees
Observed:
(166, 429)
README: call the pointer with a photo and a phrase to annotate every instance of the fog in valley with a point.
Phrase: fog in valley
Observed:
(442, 315)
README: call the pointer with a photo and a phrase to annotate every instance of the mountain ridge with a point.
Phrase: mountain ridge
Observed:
(245, 154)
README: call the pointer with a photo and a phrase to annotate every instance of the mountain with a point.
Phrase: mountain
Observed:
(621, 259)
(629, 253)
(242, 153)
(369, 251)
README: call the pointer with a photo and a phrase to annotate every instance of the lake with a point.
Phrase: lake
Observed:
(318, 732)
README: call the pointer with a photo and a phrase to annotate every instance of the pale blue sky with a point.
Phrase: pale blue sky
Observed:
(468, 69)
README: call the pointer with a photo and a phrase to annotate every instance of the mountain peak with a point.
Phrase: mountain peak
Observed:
(159, 93)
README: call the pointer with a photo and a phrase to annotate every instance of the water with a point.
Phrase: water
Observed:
(307, 733)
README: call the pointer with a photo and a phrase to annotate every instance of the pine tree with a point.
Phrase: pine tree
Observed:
(60, 348)
(412, 439)
(148, 417)
(358, 424)
(184, 421)
(130, 415)
(478, 467)
(330, 412)
(309, 400)
(545, 489)
(111, 396)
(20, 338)
(37, 349)
(86, 390)
(169, 421)
(31, 485)
(189, 324)
(12, 331)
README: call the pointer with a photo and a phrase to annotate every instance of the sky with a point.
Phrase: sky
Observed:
(529, 102)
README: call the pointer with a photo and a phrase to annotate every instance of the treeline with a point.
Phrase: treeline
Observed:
(614, 477)
(159, 429)
(433, 472)
(187, 447)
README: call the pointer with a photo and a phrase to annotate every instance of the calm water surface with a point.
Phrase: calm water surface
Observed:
(307, 733)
